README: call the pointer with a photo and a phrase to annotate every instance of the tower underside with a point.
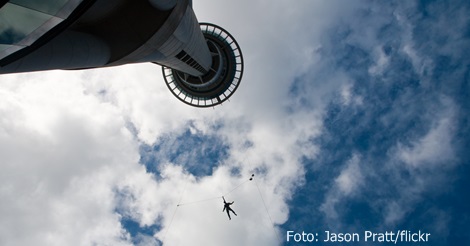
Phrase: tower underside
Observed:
(82, 34)
(223, 77)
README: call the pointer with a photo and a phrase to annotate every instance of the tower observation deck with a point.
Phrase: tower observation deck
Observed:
(202, 63)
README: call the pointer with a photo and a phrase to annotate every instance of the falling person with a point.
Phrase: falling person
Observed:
(227, 207)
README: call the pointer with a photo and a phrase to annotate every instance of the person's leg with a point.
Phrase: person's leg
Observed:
(228, 215)
(233, 212)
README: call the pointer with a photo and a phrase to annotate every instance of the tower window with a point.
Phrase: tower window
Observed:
(186, 58)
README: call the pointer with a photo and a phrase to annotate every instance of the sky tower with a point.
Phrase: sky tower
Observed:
(202, 63)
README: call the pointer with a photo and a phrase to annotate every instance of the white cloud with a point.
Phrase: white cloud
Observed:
(394, 212)
(421, 64)
(382, 61)
(350, 178)
(426, 160)
(66, 149)
(347, 184)
(348, 97)
(436, 147)
(62, 152)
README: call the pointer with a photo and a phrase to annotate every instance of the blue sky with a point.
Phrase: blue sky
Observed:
(383, 140)
(402, 142)
(353, 116)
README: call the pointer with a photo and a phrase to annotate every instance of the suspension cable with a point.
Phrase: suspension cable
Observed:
(213, 198)
(174, 212)
(199, 201)
(267, 212)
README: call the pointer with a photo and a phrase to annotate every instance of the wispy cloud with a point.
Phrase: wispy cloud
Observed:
(389, 147)
(349, 114)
